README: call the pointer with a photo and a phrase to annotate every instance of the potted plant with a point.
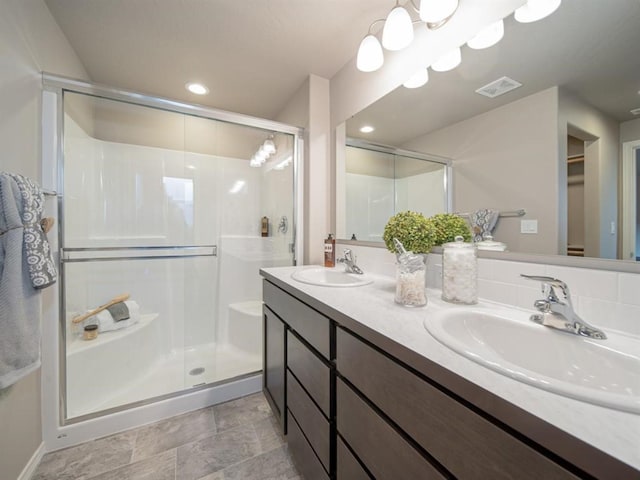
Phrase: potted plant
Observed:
(414, 231)
(448, 226)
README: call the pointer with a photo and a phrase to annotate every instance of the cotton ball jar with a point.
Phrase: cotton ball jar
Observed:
(460, 272)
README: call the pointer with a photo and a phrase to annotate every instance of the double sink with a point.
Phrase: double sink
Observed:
(601, 372)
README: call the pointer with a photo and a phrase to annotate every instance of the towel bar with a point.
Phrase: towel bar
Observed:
(511, 213)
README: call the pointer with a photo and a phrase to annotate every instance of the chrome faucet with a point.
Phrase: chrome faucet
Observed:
(558, 313)
(349, 261)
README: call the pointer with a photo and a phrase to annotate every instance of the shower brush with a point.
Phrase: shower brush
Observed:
(91, 313)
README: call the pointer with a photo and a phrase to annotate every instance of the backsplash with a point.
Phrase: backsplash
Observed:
(603, 298)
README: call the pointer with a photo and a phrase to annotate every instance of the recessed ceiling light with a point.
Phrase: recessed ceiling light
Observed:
(367, 129)
(197, 88)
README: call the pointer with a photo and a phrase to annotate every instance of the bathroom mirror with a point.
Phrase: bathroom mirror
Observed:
(381, 181)
(563, 145)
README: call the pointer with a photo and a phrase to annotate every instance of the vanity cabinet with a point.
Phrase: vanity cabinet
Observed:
(443, 437)
(355, 405)
(298, 354)
(273, 380)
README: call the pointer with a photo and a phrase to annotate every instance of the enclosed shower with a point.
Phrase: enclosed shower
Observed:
(174, 208)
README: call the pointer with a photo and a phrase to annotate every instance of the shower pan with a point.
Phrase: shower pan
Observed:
(160, 202)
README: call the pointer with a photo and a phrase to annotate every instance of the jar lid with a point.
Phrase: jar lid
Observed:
(488, 243)
(90, 328)
(459, 243)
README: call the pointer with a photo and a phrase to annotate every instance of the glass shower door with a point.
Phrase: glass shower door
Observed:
(129, 229)
(173, 212)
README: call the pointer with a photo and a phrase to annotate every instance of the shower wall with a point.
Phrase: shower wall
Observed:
(132, 195)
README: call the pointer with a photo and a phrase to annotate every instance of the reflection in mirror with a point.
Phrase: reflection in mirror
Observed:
(382, 181)
(579, 71)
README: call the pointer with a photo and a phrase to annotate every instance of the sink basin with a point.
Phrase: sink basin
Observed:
(329, 277)
(602, 372)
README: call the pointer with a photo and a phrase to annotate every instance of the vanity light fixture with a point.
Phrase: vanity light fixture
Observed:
(535, 10)
(398, 29)
(448, 61)
(488, 36)
(418, 79)
(197, 88)
(265, 150)
(367, 129)
(370, 57)
(397, 32)
(437, 12)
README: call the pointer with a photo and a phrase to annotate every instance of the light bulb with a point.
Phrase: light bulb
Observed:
(370, 57)
(398, 30)
(535, 10)
(269, 147)
(418, 79)
(435, 11)
(488, 36)
(448, 61)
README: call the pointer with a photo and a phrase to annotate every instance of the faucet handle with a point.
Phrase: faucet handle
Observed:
(549, 284)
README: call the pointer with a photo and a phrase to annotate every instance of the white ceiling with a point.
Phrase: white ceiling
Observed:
(255, 54)
(252, 54)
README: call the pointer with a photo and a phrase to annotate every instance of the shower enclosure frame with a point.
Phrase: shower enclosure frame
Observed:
(58, 431)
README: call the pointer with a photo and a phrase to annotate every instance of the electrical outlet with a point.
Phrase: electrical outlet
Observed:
(528, 226)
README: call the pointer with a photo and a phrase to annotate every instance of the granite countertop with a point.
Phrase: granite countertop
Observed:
(614, 432)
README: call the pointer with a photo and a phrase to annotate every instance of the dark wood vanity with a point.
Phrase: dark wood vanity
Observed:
(356, 405)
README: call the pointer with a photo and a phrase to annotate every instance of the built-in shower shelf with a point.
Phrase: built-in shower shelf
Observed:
(80, 345)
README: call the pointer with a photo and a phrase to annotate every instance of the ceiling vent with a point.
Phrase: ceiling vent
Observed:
(636, 111)
(498, 87)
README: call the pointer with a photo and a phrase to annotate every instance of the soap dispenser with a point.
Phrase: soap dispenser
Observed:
(330, 251)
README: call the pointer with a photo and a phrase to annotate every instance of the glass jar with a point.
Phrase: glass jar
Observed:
(410, 282)
(460, 272)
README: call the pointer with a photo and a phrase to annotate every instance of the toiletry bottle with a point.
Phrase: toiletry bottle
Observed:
(330, 251)
(265, 227)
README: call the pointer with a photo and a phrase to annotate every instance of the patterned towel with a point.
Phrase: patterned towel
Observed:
(483, 221)
(24, 264)
(37, 251)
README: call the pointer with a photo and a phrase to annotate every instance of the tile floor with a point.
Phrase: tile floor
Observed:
(237, 440)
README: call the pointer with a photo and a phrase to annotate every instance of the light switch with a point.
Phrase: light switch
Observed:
(528, 226)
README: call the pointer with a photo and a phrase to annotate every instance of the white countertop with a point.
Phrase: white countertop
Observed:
(614, 432)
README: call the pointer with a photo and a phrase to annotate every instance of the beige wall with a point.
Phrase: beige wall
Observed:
(506, 159)
(309, 109)
(30, 42)
(602, 155)
(630, 131)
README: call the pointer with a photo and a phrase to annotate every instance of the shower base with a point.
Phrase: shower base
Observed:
(180, 370)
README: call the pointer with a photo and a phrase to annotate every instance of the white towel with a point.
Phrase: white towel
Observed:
(106, 323)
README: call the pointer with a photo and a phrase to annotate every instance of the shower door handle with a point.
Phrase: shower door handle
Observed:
(101, 254)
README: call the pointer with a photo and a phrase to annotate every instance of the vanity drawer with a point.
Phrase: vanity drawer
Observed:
(305, 460)
(310, 420)
(311, 372)
(385, 453)
(311, 325)
(466, 444)
(348, 467)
